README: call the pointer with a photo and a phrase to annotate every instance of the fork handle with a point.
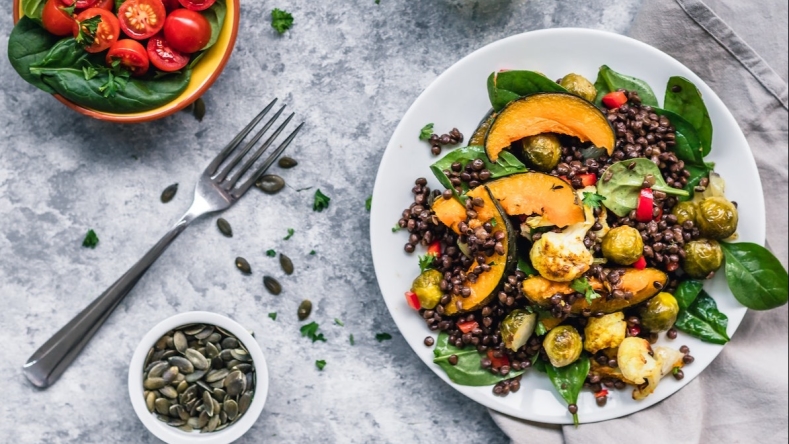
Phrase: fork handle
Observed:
(46, 365)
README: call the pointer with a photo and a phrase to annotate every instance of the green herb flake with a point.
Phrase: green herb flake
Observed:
(89, 72)
(291, 232)
(583, 286)
(320, 364)
(87, 31)
(426, 262)
(321, 201)
(281, 20)
(339, 322)
(271, 253)
(311, 331)
(381, 337)
(313, 253)
(675, 371)
(273, 316)
(90, 239)
(350, 339)
(368, 204)
(540, 329)
(426, 132)
(396, 228)
(593, 200)
(493, 222)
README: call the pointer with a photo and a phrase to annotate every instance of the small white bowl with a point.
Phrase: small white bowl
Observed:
(174, 435)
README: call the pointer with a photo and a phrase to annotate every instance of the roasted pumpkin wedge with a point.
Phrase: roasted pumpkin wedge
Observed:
(501, 265)
(540, 113)
(527, 194)
(639, 282)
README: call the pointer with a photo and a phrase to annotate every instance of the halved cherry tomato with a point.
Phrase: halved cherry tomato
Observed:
(109, 5)
(80, 4)
(107, 31)
(467, 326)
(197, 5)
(171, 5)
(434, 249)
(646, 203)
(187, 31)
(55, 19)
(163, 56)
(614, 99)
(140, 19)
(497, 362)
(412, 300)
(131, 54)
(588, 179)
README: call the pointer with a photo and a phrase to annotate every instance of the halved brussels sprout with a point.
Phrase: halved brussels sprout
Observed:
(427, 288)
(517, 328)
(660, 312)
(702, 257)
(579, 85)
(563, 345)
(542, 151)
(716, 218)
(685, 211)
(623, 245)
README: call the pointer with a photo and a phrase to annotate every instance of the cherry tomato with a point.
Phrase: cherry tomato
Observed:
(106, 33)
(187, 31)
(197, 5)
(164, 57)
(140, 19)
(614, 99)
(109, 5)
(131, 54)
(412, 300)
(171, 5)
(56, 20)
(81, 4)
(468, 326)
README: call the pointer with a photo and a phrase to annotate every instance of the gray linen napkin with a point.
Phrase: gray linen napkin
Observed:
(742, 396)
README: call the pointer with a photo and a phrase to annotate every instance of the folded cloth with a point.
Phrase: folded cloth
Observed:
(742, 396)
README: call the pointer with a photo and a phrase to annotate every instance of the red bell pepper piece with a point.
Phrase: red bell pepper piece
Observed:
(646, 202)
(601, 394)
(434, 249)
(614, 99)
(498, 362)
(466, 327)
(640, 264)
(634, 330)
(588, 179)
(412, 300)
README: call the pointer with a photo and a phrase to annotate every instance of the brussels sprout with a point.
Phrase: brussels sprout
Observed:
(517, 328)
(623, 245)
(685, 211)
(701, 258)
(580, 86)
(542, 151)
(660, 312)
(716, 218)
(563, 345)
(427, 288)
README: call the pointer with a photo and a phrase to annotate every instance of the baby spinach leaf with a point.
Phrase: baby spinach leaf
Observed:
(216, 18)
(569, 380)
(756, 277)
(506, 86)
(622, 190)
(468, 370)
(609, 80)
(687, 291)
(696, 174)
(28, 45)
(506, 165)
(688, 145)
(33, 9)
(703, 320)
(683, 98)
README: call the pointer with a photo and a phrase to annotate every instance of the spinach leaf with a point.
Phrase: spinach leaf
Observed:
(33, 9)
(696, 174)
(468, 370)
(506, 165)
(506, 86)
(524, 265)
(216, 18)
(683, 98)
(756, 277)
(703, 320)
(609, 80)
(622, 190)
(687, 291)
(118, 4)
(28, 45)
(569, 380)
(688, 145)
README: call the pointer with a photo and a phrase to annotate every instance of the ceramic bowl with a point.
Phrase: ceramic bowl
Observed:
(174, 435)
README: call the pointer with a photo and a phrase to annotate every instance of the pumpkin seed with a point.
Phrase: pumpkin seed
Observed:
(235, 383)
(224, 227)
(182, 386)
(158, 368)
(305, 308)
(214, 338)
(229, 343)
(208, 403)
(202, 420)
(211, 351)
(149, 401)
(213, 423)
(186, 428)
(168, 392)
(270, 183)
(199, 109)
(175, 410)
(219, 394)
(287, 162)
(244, 403)
(179, 341)
(162, 406)
(193, 329)
(176, 422)
(170, 374)
(216, 375)
(184, 365)
(286, 264)
(223, 417)
(196, 358)
(203, 385)
(154, 383)
(161, 344)
(231, 408)
(243, 265)
(193, 377)
(204, 333)
(244, 368)
(240, 354)
(148, 358)
(225, 355)
(169, 193)
(272, 285)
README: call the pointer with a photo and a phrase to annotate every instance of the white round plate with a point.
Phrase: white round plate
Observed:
(458, 98)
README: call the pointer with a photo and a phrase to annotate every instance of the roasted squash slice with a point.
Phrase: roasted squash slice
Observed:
(501, 265)
(520, 194)
(639, 282)
(549, 113)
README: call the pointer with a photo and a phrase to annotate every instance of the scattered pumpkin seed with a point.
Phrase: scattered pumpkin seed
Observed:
(199, 109)
(272, 285)
(224, 227)
(243, 265)
(286, 264)
(270, 183)
(287, 162)
(305, 308)
(169, 193)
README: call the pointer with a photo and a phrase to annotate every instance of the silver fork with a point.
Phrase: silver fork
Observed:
(216, 191)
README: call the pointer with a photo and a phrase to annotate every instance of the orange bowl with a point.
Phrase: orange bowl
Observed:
(204, 74)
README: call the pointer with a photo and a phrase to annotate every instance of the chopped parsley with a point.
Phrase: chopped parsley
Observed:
(593, 200)
(312, 253)
(426, 132)
(89, 72)
(539, 329)
(320, 364)
(281, 20)
(273, 315)
(271, 253)
(350, 339)
(368, 204)
(321, 201)
(493, 222)
(311, 331)
(291, 232)
(90, 239)
(426, 262)
(583, 286)
(339, 322)
(396, 228)
(87, 31)
(381, 337)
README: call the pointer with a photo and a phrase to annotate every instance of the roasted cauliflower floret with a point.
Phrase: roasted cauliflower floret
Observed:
(562, 257)
(644, 367)
(605, 332)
